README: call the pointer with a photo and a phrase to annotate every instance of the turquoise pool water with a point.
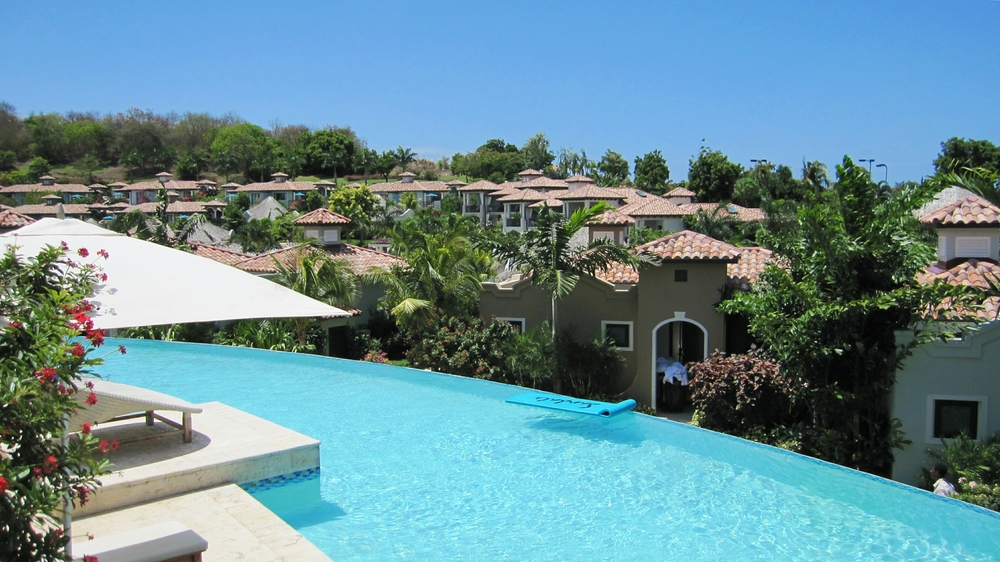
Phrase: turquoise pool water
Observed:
(422, 466)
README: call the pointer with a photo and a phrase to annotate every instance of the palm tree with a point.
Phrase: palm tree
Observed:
(553, 263)
(405, 157)
(443, 273)
(984, 183)
(317, 276)
(814, 174)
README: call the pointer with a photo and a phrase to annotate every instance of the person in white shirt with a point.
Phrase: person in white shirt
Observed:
(941, 486)
(675, 381)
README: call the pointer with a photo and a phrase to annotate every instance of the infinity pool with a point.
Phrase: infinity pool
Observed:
(417, 465)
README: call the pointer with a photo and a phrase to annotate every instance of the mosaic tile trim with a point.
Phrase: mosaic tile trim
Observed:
(278, 481)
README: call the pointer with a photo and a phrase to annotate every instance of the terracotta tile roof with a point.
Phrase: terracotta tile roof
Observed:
(590, 192)
(970, 210)
(543, 183)
(47, 177)
(455, 183)
(72, 209)
(171, 185)
(632, 195)
(399, 187)
(302, 186)
(359, 259)
(117, 184)
(579, 179)
(741, 214)
(529, 172)
(553, 202)
(612, 217)
(36, 187)
(680, 192)
(328, 182)
(96, 186)
(618, 274)
(51, 198)
(971, 273)
(407, 175)
(9, 218)
(164, 175)
(205, 182)
(220, 255)
(279, 175)
(214, 203)
(686, 246)
(321, 216)
(177, 207)
(745, 272)
(481, 185)
(231, 185)
(523, 195)
(653, 207)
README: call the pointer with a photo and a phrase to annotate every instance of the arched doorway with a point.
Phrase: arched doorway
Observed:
(680, 338)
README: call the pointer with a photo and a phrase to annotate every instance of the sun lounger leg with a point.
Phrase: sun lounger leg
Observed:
(149, 417)
(187, 426)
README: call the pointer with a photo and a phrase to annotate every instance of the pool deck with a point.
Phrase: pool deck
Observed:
(236, 526)
(157, 478)
(228, 446)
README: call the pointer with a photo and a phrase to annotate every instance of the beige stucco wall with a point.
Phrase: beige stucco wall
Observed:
(656, 299)
(967, 369)
(662, 299)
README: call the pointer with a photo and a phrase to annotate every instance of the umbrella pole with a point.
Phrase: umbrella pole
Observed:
(67, 517)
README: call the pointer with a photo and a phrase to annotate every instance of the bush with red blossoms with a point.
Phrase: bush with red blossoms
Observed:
(46, 341)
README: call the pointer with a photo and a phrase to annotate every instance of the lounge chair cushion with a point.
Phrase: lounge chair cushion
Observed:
(156, 543)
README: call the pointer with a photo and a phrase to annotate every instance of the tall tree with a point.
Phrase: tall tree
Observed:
(14, 134)
(385, 163)
(958, 154)
(245, 143)
(830, 313)
(712, 176)
(317, 276)
(815, 176)
(405, 157)
(612, 170)
(536, 153)
(651, 172)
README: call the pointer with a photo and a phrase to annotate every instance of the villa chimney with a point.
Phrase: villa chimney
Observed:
(47, 180)
(279, 177)
(164, 177)
(407, 177)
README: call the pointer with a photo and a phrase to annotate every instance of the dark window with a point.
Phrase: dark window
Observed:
(619, 333)
(955, 417)
(517, 324)
(681, 275)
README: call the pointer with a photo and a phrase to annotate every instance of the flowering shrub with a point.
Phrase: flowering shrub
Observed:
(977, 466)
(460, 346)
(377, 357)
(43, 310)
(743, 394)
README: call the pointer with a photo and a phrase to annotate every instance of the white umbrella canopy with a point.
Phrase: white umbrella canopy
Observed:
(151, 285)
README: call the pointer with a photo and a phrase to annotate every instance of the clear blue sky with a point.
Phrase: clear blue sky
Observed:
(781, 80)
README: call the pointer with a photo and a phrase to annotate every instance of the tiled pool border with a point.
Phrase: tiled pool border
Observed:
(279, 481)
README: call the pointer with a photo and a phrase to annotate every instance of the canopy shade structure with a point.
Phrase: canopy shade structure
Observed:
(152, 285)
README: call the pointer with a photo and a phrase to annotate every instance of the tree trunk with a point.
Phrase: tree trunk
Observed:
(557, 379)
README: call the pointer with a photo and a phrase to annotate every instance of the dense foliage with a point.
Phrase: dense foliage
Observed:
(44, 310)
(975, 468)
(829, 316)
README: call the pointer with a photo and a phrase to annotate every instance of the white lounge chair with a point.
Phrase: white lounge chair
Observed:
(116, 401)
(166, 542)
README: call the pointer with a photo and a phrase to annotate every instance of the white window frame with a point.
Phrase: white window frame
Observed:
(510, 320)
(929, 438)
(631, 332)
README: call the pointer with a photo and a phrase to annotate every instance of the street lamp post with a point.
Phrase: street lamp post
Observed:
(870, 161)
(886, 180)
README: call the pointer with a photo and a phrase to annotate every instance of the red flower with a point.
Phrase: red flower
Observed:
(96, 337)
(83, 252)
(37, 472)
(104, 277)
(104, 446)
(86, 428)
(14, 324)
(77, 350)
(115, 444)
(48, 374)
(103, 253)
(64, 245)
(89, 558)
(90, 385)
(83, 493)
(51, 464)
(91, 399)
(121, 348)
(3, 484)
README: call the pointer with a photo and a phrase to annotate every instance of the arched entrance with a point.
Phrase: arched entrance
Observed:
(682, 339)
